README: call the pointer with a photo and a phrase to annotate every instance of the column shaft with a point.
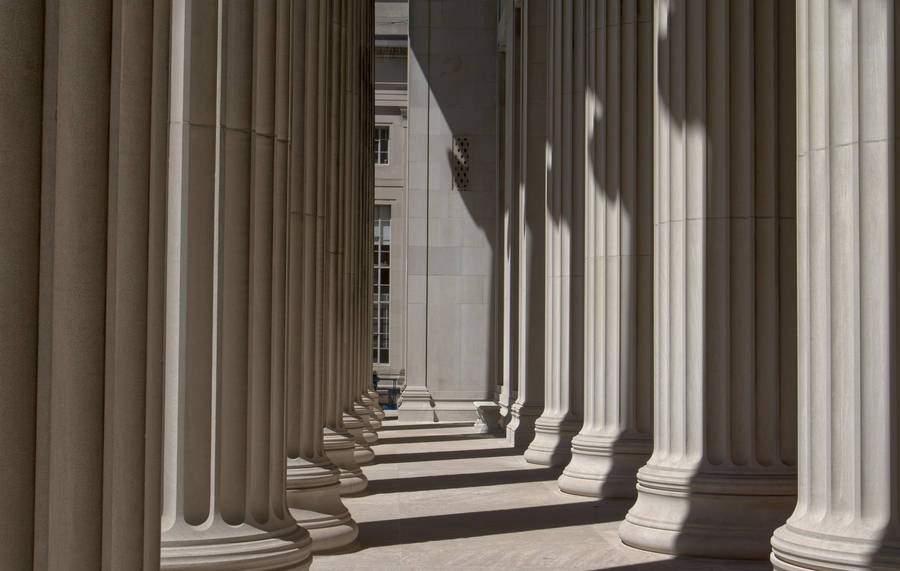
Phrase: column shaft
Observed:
(615, 439)
(529, 222)
(509, 229)
(70, 433)
(224, 495)
(564, 244)
(21, 67)
(848, 507)
(722, 471)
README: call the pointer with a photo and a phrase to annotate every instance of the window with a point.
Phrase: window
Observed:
(382, 132)
(381, 287)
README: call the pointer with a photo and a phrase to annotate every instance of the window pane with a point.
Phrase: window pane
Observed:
(385, 293)
(385, 274)
(384, 356)
(385, 259)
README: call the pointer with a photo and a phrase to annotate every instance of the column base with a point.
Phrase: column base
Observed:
(724, 515)
(416, 405)
(362, 454)
(520, 430)
(314, 499)
(235, 547)
(339, 447)
(370, 436)
(797, 549)
(379, 413)
(505, 401)
(552, 441)
(370, 423)
(604, 467)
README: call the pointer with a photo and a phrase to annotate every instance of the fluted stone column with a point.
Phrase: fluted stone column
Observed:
(510, 41)
(848, 505)
(564, 244)
(366, 118)
(351, 234)
(529, 223)
(722, 471)
(21, 96)
(362, 191)
(339, 443)
(313, 490)
(223, 484)
(618, 412)
(77, 184)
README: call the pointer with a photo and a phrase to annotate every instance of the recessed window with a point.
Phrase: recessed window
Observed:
(381, 287)
(382, 134)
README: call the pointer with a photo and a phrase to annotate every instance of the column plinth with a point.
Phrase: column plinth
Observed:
(228, 547)
(376, 408)
(314, 498)
(356, 427)
(370, 424)
(725, 515)
(520, 430)
(552, 442)
(604, 466)
(340, 447)
(416, 405)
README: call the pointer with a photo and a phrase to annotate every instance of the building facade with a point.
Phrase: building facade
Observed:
(391, 106)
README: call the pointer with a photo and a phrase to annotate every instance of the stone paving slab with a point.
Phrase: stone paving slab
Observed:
(443, 497)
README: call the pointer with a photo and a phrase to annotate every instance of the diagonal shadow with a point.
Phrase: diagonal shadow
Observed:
(476, 524)
(453, 481)
(445, 455)
(425, 426)
(692, 563)
(437, 438)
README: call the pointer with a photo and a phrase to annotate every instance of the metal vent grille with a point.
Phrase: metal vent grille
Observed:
(460, 163)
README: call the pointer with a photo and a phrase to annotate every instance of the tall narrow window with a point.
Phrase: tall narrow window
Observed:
(382, 133)
(381, 286)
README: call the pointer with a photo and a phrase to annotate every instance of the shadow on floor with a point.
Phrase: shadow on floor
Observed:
(424, 426)
(445, 455)
(437, 438)
(691, 563)
(475, 524)
(453, 481)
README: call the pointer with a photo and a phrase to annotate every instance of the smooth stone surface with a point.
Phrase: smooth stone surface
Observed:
(441, 497)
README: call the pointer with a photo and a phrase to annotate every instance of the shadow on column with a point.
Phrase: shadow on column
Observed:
(725, 512)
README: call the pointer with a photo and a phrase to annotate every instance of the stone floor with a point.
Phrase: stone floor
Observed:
(443, 497)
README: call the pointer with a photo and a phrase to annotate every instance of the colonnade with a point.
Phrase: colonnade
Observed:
(717, 186)
(185, 285)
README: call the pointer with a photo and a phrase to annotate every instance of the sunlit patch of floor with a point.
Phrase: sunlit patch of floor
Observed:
(443, 497)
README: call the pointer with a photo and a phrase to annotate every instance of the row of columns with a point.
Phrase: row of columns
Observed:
(716, 253)
(186, 290)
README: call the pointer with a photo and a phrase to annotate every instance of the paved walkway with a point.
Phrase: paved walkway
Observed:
(443, 497)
